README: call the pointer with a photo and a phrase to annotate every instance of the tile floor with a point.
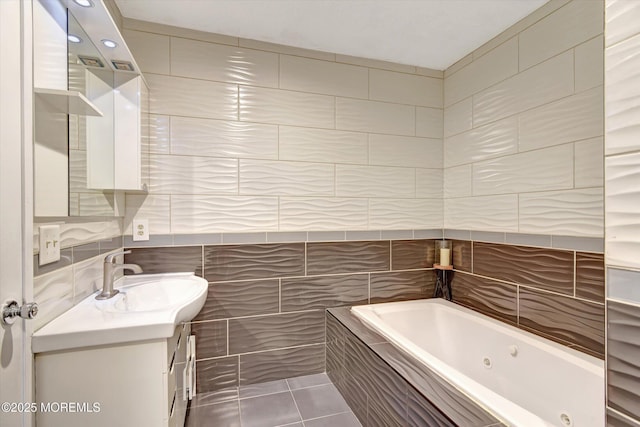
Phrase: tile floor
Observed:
(309, 401)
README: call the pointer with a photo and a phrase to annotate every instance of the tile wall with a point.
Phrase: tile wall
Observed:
(59, 286)
(249, 136)
(622, 201)
(554, 293)
(264, 315)
(523, 127)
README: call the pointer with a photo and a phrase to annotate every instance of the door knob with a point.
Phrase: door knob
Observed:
(11, 310)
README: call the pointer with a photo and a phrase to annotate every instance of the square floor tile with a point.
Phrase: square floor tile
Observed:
(346, 419)
(220, 414)
(308, 381)
(269, 410)
(314, 402)
(260, 389)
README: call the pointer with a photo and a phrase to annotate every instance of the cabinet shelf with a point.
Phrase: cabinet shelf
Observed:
(67, 101)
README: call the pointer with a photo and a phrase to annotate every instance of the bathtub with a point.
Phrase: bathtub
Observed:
(522, 379)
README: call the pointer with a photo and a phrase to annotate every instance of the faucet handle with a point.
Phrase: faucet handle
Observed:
(111, 257)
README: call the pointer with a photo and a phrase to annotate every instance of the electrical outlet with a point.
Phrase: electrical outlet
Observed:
(140, 229)
(49, 244)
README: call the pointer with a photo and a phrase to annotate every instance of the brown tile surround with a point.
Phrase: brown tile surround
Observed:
(263, 318)
(558, 294)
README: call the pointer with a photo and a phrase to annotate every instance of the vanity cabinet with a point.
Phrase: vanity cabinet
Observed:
(143, 384)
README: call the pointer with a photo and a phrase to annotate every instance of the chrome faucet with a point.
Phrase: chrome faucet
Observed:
(110, 268)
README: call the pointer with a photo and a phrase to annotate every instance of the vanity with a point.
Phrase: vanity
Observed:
(127, 360)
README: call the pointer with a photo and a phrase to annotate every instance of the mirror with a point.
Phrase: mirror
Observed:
(90, 75)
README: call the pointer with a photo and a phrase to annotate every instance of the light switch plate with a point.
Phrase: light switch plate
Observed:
(140, 229)
(49, 244)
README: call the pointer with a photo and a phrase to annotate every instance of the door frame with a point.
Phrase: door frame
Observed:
(16, 206)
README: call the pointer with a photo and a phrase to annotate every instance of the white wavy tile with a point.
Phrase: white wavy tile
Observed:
(540, 170)
(457, 117)
(374, 63)
(322, 145)
(77, 171)
(402, 88)
(429, 183)
(457, 66)
(311, 214)
(264, 177)
(483, 72)
(218, 138)
(430, 72)
(374, 181)
(74, 207)
(73, 132)
(54, 294)
(485, 142)
(457, 181)
(159, 134)
(574, 118)
(488, 213)
(287, 50)
(623, 96)
(622, 200)
(331, 78)
(566, 213)
(622, 18)
(373, 116)
(543, 83)
(209, 214)
(429, 122)
(97, 204)
(399, 214)
(87, 277)
(150, 50)
(589, 163)
(193, 175)
(155, 208)
(210, 61)
(286, 107)
(77, 77)
(590, 64)
(193, 98)
(405, 151)
(565, 28)
(72, 234)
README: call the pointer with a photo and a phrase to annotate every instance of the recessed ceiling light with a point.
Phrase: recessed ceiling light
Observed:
(109, 43)
(73, 38)
(84, 3)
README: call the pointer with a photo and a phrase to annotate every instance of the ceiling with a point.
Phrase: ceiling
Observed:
(426, 33)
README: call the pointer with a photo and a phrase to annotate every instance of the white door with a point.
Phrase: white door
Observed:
(16, 214)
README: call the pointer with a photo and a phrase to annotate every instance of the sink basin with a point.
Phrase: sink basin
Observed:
(149, 306)
(154, 292)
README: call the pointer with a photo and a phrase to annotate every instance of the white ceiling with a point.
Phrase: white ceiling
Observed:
(426, 33)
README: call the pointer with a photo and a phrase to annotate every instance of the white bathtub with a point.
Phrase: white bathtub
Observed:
(522, 379)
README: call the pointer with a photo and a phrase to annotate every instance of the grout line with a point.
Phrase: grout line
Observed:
(294, 402)
(575, 273)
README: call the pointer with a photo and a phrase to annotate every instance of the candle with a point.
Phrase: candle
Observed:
(445, 257)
